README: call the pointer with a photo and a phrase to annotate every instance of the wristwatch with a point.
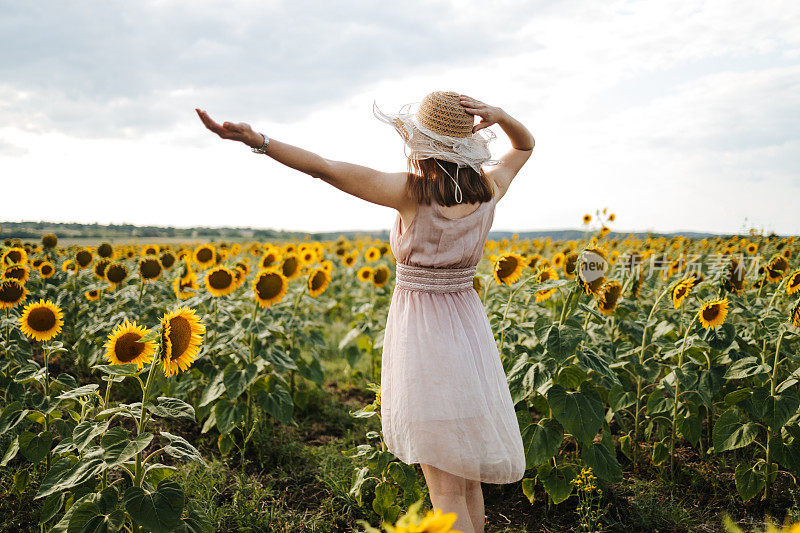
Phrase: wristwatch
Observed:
(263, 148)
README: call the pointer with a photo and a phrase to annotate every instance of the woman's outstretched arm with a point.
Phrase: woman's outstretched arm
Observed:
(382, 188)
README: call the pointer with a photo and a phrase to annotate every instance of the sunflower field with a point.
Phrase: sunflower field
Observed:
(234, 386)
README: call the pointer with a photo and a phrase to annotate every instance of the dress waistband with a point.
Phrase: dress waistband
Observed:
(432, 279)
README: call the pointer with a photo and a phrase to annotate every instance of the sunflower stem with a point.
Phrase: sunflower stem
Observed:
(675, 404)
(774, 294)
(142, 421)
(773, 379)
(252, 328)
(46, 351)
(505, 313)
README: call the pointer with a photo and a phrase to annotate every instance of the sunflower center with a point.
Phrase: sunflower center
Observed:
(167, 260)
(180, 334)
(115, 273)
(151, 268)
(204, 255)
(83, 258)
(381, 275)
(42, 319)
(268, 286)
(127, 348)
(220, 279)
(47, 270)
(10, 292)
(289, 267)
(15, 272)
(710, 313)
(506, 267)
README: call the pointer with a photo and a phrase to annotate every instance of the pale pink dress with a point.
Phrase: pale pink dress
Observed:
(444, 396)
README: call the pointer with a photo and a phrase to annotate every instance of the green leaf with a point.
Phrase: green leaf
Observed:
(214, 390)
(748, 482)
(90, 465)
(385, 494)
(730, 433)
(528, 488)
(159, 510)
(35, 447)
(355, 491)
(562, 339)
(558, 483)
(228, 415)
(13, 414)
(197, 520)
(591, 360)
(780, 408)
(86, 390)
(225, 443)
(602, 462)
(58, 471)
(542, 441)
(122, 452)
(625, 446)
(180, 447)
(660, 452)
(172, 408)
(11, 452)
(128, 369)
(745, 368)
(312, 371)
(51, 507)
(277, 403)
(580, 413)
(84, 432)
(237, 380)
(98, 514)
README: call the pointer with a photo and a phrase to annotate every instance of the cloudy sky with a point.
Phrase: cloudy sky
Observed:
(674, 115)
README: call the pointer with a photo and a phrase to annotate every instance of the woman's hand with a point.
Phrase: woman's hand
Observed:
(489, 115)
(236, 132)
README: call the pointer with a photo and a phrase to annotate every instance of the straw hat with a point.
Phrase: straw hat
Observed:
(442, 129)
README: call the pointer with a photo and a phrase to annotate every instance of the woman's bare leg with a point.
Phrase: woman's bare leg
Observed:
(475, 505)
(449, 493)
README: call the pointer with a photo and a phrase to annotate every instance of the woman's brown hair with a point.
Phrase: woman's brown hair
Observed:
(426, 181)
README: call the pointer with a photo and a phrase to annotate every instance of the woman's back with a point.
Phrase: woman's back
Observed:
(435, 240)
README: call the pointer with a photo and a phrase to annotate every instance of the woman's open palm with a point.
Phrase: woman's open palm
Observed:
(239, 131)
(489, 114)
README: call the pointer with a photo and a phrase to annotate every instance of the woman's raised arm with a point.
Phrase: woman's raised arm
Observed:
(382, 188)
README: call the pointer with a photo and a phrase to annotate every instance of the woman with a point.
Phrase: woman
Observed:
(445, 402)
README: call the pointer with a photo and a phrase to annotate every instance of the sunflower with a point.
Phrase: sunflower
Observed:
(558, 260)
(327, 264)
(151, 249)
(605, 230)
(796, 315)
(116, 273)
(100, 267)
(508, 268)
(83, 258)
(380, 276)
(777, 267)
(105, 250)
(167, 259)
(592, 265)
(681, 289)
(364, 273)
(318, 281)
(372, 254)
(36, 263)
(18, 272)
(608, 297)
(46, 269)
(49, 241)
(587, 218)
(752, 248)
(244, 266)
(12, 293)
(181, 337)
(220, 281)
(268, 259)
(545, 274)
(149, 268)
(125, 345)
(533, 260)
(793, 283)
(290, 265)
(69, 266)
(308, 257)
(477, 284)
(185, 287)
(349, 259)
(205, 255)
(92, 294)
(42, 320)
(15, 256)
(270, 286)
(734, 282)
(612, 217)
(713, 313)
